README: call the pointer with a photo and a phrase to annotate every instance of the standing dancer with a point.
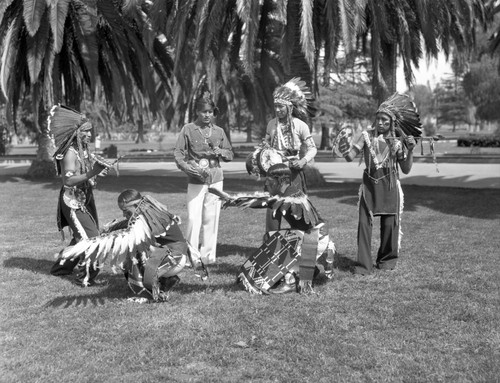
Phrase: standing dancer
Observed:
(200, 147)
(385, 147)
(290, 135)
(78, 170)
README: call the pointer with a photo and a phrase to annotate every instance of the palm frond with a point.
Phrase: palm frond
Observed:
(33, 12)
(182, 23)
(13, 70)
(248, 12)
(58, 12)
(3, 9)
(201, 15)
(161, 14)
(130, 6)
(215, 21)
(84, 22)
(37, 46)
(48, 65)
(9, 56)
(306, 32)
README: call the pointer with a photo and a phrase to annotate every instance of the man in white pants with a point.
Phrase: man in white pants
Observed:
(200, 147)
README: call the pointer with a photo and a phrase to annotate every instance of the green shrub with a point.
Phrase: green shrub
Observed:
(111, 151)
(482, 141)
(429, 129)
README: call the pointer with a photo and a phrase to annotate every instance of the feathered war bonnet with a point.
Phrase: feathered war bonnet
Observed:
(296, 95)
(64, 124)
(403, 112)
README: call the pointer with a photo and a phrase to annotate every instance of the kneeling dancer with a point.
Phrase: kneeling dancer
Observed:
(289, 255)
(147, 245)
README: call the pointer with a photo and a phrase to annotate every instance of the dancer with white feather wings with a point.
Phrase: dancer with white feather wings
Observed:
(147, 245)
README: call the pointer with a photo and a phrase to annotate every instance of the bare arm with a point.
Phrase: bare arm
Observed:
(68, 170)
(405, 160)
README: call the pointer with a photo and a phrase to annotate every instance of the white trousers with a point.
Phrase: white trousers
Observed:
(203, 210)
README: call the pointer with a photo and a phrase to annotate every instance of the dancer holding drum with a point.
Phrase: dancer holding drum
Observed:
(289, 135)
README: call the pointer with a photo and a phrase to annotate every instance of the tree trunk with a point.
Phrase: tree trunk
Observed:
(325, 137)
(300, 68)
(298, 64)
(249, 132)
(140, 130)
(388, 67)
(43, 166)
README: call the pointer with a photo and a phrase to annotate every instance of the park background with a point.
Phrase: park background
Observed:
(135, 68)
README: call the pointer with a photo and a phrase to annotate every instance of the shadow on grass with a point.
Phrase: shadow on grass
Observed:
(342, 263)
(40, 266)
(144, 184)
(453, 201)
(114, 289)
(206, 287)
(225, 250)
(225, 268)
(53, 184)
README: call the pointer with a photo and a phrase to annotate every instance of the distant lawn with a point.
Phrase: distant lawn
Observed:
(167, 144)
(435, 318)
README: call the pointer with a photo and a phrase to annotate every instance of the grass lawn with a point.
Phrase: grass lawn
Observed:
(436, 318)
(167, 145)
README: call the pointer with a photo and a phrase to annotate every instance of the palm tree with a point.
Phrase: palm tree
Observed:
(397, 28)
(57, 50)
(227, 46)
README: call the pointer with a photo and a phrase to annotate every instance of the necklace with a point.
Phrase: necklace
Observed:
(373, 155)
(206, 133)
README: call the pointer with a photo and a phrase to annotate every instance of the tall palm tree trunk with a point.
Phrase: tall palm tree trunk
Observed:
(388, 67)
(43, 166)
(299, 67)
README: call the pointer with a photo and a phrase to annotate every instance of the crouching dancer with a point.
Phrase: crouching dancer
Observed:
(288, 256)
(147, 245)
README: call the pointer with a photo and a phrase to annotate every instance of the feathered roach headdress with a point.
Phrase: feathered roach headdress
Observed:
(206, 99)
(63, 124)
(404, 114)
(296, 94)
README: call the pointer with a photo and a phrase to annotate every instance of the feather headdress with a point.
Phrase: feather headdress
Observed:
(404, 114)
(63, 123)
(296, 94)
(206, 99)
